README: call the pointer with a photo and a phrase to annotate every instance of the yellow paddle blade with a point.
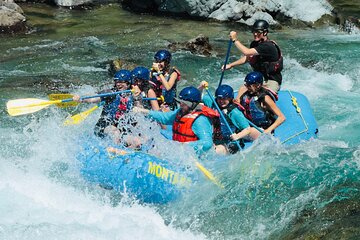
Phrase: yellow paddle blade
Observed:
(78, 118)
(27, 105)
(62, 96)
(208, 174)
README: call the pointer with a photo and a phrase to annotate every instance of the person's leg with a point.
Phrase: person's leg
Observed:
(273, 85)
(220, 149)
(114, 133)
(254, 134)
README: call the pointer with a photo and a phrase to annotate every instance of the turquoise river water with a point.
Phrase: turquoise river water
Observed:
(273, 192)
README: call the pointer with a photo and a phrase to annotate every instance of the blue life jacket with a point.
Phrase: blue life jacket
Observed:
(221, 131)
(254, 110)
(117, 106)
(159, 89)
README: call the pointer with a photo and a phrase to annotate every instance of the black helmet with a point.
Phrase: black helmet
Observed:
(261, 25)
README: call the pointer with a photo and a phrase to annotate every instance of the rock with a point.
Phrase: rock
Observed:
(72, 3)
(12, 19)
(199, 45)
(140, 6)
(117, 64)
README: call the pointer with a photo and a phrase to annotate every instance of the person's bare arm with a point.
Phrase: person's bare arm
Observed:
(168, 84)
(154, 103)
(271, 105)
(245, 50)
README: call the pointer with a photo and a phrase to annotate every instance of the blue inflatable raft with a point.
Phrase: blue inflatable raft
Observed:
(141, 175)
(154, 180)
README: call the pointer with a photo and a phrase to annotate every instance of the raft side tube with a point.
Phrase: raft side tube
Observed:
(146, 177)
(300, 124)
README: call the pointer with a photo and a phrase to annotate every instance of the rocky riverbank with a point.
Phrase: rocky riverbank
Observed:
(343, 13)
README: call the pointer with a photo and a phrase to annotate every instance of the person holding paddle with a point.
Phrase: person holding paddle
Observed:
(240, 129)
(143, 89)
(115, 108)
(264, 55)
(259, 104)
(191, 122)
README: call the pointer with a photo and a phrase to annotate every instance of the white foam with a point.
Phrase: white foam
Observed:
(83, 69)
(313, 83)
(38, 201)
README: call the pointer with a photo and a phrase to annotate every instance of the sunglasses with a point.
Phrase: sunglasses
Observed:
(257, 31)
(121, 82)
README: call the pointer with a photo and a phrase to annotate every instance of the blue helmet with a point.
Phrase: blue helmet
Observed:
(191, 94)
(163, 55)
(141, 73)
(254, 78)
(123, 75)
(224, 91)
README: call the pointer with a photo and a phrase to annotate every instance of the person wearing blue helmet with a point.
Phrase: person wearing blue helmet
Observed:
(259, 103)
(142, 87)
(165, 78)
(191, 123)
(115, 107)
(239, 125)
(264, 55)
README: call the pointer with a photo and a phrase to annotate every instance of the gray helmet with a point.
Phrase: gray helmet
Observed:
(261, 25)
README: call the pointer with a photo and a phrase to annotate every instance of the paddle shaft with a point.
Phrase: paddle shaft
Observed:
(226, 60)
(254, 126)
(149, 99)
(99, 95)
(222, 116)
(102, 95)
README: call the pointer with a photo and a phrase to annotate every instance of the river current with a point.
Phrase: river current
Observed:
(272, 192)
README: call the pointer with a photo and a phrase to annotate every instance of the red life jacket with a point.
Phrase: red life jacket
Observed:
(182, 131)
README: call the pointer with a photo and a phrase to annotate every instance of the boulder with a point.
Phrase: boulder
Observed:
(117, 64)
(12, 19)
(198, 45)
(72, 3)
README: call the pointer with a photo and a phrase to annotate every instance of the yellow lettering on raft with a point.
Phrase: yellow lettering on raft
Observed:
(151, 169)
(168, 175)
(158, 171)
